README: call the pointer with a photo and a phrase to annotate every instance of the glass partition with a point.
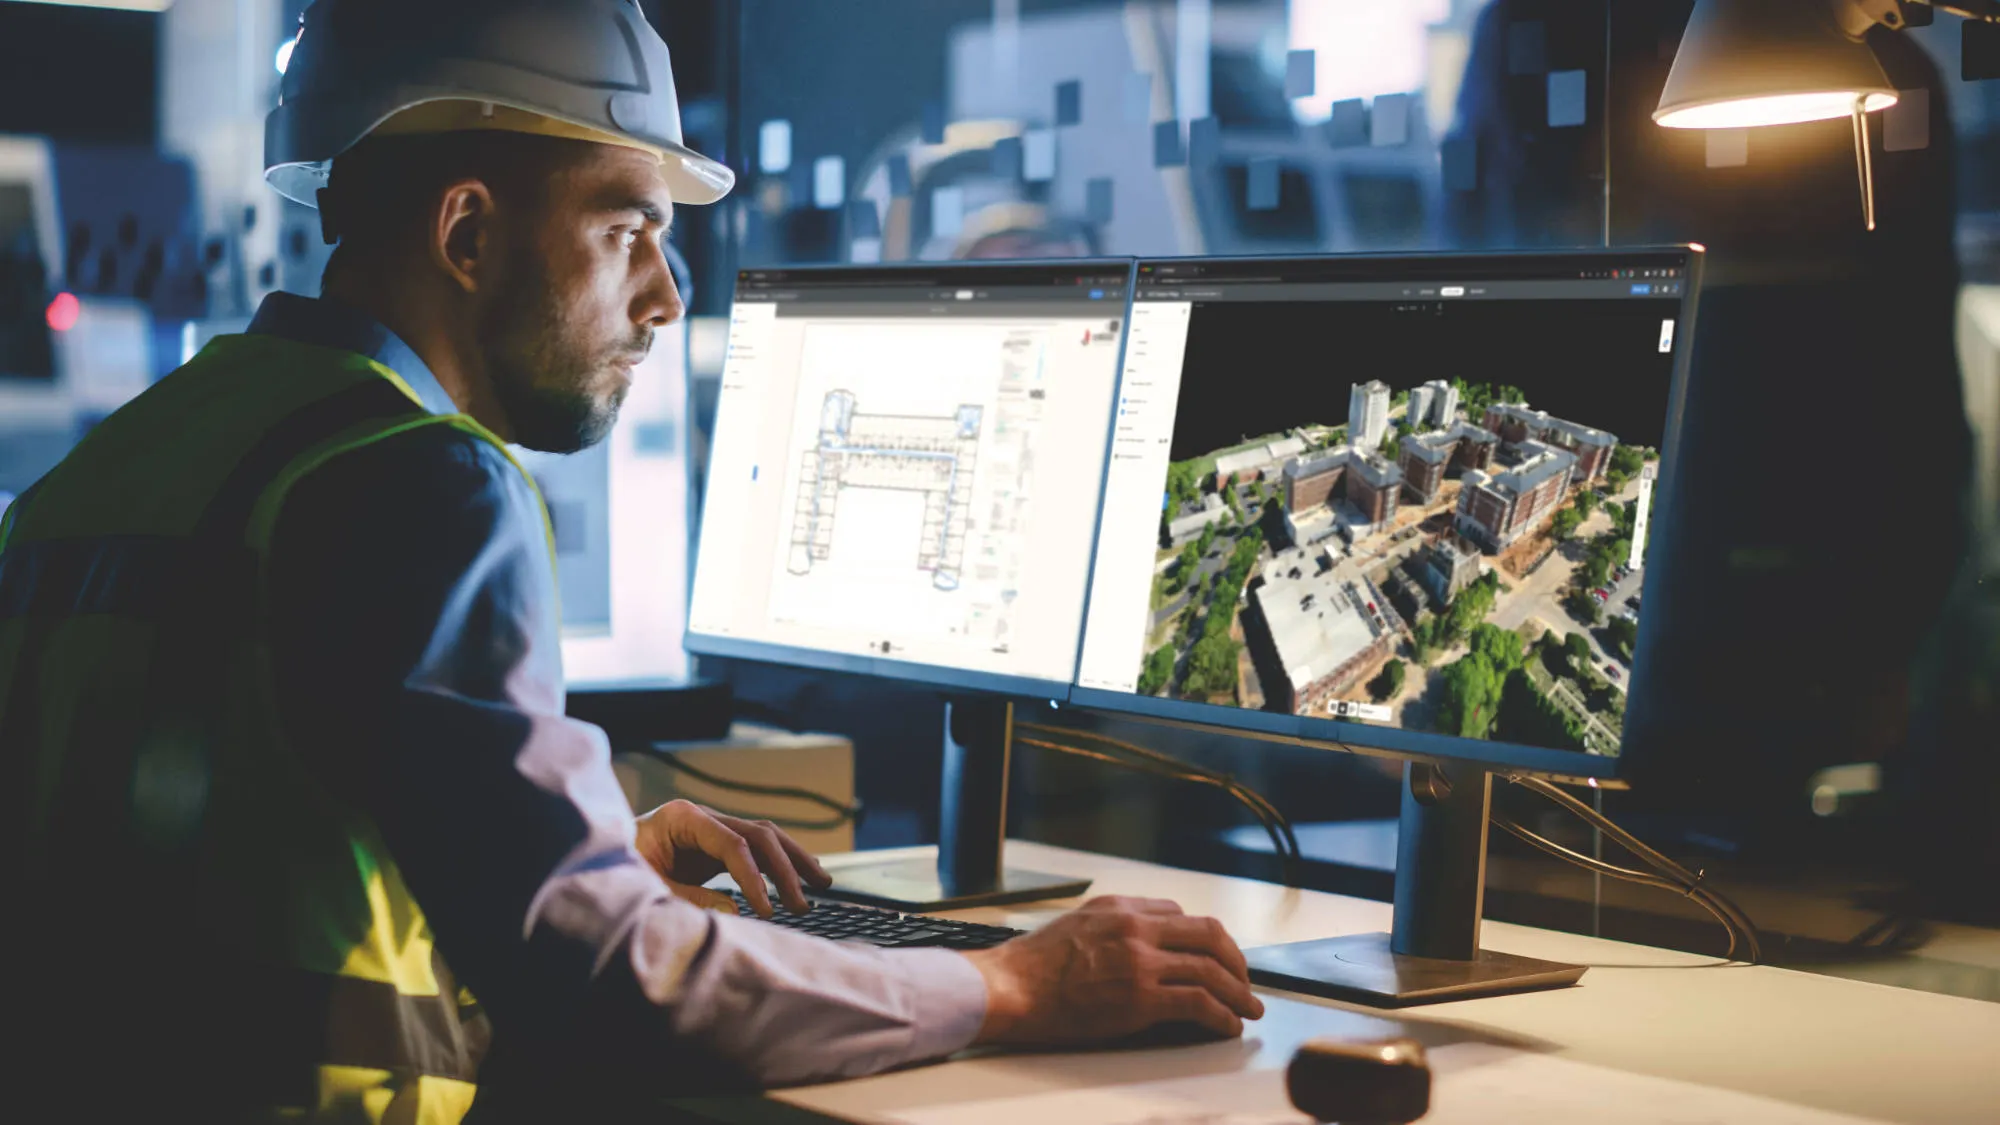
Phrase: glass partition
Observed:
(1004, 128)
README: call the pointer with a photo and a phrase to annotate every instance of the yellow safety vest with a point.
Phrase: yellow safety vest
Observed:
(190, 896)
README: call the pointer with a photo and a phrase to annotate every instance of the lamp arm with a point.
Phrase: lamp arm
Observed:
(1985, 11)
(1855, 17)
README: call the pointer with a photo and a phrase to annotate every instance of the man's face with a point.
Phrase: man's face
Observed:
(583, 283)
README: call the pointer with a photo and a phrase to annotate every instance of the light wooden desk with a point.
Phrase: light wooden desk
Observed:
(1646, 1031)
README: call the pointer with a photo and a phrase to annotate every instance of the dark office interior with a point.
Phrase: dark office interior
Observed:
(1818, 732)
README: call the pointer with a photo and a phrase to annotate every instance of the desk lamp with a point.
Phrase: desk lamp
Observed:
(1749, 63)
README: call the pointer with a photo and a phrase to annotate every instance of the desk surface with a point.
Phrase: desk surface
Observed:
(1649, 1035)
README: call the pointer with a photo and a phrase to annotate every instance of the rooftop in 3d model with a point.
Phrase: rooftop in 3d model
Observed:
(1258, 457)
(1321, 627)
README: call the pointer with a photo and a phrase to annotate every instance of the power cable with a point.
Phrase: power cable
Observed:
(1671, 876)
(1679, 878)
(1286, 858)
(843, 811)
(1699, 896)
(790, 824)
(1241, 791)
(1140, 759)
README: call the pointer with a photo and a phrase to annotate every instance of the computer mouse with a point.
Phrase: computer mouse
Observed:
(1361, 1082)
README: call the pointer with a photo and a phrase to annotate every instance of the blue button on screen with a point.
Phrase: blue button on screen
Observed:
(1641, 290)
(1097, 294)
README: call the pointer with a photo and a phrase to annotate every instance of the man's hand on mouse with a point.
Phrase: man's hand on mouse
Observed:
(1115, 967)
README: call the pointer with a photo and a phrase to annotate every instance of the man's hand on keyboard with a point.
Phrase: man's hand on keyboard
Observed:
(689, 845)
(1113, 968)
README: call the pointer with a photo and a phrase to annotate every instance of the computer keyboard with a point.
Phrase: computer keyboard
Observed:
(886, 928)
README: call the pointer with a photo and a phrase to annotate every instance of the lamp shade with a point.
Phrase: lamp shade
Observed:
(1768, 62)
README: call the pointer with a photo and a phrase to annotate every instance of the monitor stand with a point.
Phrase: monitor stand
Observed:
(1433, 953)
(972, 829)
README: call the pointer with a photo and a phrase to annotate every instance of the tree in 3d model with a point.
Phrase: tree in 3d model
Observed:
(1158, 670)
(1187, 566)
(1578, 649)
(1564, 526)
(1389, 684)
(1624, 635)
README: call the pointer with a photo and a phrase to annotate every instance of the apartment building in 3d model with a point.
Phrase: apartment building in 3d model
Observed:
(1426, 457)
(1528, 481)
(1514, 468)
(1367, 415)
(1591, 447)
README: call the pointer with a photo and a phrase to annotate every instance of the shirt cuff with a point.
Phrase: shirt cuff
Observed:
(949, 1000)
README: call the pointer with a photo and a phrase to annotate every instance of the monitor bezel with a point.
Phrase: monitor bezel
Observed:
(952, 679)
(1371, 740)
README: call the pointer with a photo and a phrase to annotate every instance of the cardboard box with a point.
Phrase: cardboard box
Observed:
(818, 763)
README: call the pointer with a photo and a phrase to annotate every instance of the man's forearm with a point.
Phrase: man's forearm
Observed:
(788, 1008)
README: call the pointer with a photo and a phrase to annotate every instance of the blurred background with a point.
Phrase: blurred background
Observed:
(1838, 763)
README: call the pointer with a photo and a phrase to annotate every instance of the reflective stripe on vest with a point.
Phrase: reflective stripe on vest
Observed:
(138, 733)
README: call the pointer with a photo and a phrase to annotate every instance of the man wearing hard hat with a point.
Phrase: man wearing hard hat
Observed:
(300, 829)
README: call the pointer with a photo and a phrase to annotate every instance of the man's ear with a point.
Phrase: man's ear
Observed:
(461, 235)
(329, 229)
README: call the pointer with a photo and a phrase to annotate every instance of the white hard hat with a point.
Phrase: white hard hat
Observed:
(588, 69)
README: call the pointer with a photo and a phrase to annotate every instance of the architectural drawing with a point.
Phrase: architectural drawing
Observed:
(937, 456)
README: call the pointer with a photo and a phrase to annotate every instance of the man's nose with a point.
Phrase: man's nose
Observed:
(659, 303)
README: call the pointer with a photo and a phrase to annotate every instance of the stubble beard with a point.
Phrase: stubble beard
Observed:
(543, 371)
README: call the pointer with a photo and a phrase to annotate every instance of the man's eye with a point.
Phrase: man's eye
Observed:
(628, 238)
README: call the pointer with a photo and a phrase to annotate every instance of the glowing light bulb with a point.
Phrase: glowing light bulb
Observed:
(1776, 109)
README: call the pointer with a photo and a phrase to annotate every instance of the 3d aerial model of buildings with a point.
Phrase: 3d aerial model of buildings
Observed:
(1313, 617)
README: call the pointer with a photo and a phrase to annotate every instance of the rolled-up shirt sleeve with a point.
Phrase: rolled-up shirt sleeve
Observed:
(415, 647)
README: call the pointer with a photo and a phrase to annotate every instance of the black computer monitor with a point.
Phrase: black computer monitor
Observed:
(1401, 505)
(904, 482)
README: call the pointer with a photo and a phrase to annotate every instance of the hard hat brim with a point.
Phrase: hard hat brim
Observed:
(694, 178)
(691, 177)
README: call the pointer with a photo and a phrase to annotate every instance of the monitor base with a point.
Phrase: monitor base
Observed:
(913, 886)
(1432, 953)
(1362, 969)
(972, 829)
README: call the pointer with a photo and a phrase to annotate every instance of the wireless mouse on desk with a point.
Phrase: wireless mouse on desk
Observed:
(1361, 1082)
